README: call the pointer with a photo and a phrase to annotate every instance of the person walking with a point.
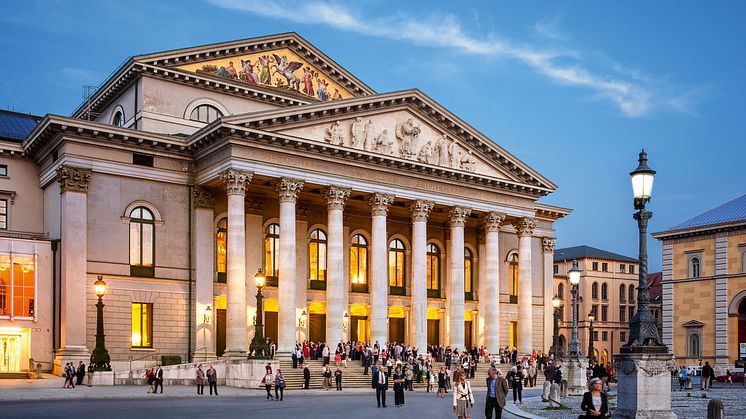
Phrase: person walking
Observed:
(150, 378)
(267, 383)
(517, 380)
(441, 382)
(212, 379)
(200, 380)
(381, 384)
(595, 402)
(398, 387)
(91, 370)
(66, 375)
(463, 399)
(497, 391)
(279, 385)
(682, 373)
(158, 379)
(338, 378)
(707, 375)
(306, 376)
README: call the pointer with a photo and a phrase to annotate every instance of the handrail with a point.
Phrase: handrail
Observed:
(151, 354)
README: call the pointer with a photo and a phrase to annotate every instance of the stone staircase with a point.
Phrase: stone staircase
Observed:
(14, 375)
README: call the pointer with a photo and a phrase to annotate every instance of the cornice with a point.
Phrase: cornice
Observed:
(704, 231)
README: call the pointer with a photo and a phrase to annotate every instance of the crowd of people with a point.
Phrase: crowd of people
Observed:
(75, 375)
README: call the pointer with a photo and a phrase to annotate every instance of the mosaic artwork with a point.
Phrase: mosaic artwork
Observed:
(280, 69)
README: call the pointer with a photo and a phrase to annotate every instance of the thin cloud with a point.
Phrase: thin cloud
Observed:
(629, 93)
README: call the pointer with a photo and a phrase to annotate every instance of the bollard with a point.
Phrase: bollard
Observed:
(563, 388)
(715, 409)
(38, 370)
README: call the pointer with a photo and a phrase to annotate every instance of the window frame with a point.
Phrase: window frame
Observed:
(433, 255)
(357, 247)
(138, 269)
(622, 268)
(632, 269)
(694, 264)
(13, 286)
(622, 293)
(594, 291)
(5, 216)
(622, 314)
(271, 280)
(561, 291)
(320, 240)
(594, 266)
(150, 335)
(397, 289)
(221, 276)
(469, 279)
(689, 349)
(604, 291)
(604, 267)
(207, 107)
(514, 271)
(604, 313)
(3, 170)
(631, 293)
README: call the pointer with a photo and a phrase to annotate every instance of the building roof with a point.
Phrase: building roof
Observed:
(729, 212)
(580, 252)
(656, 287)
(15, 126)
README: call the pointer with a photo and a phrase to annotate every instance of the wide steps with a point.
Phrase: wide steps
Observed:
(14, 375)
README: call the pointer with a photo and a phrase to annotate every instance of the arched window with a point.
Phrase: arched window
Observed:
(271, 251)
(317, 259)
(205, 113)
(622, 293)
(694, 267)
(433, 271)
(561, 291)
(142, 242)
(631, 294)
(604, 291)
(397, 280)
(359, 263)
(221, 250)
(118, 119)
(468, 274)
(594, 291)
(513, 265)
(694, 347)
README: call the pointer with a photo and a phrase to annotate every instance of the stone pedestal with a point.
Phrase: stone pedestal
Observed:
(574, 370)
(644, 389)
(102, 378)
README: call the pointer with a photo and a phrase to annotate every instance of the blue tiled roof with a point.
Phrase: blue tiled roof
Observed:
(15, 126)
(731, 211)
(580, 252)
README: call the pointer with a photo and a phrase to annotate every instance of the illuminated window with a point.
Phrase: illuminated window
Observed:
(317, 259)
(397, 281)
(359, 263)
(433, 271)
(513, 265)
(142, 325)
(271, 250)
(468, 274)
(17, 286)
(221, 249)
(142, 242)
(513, 334)
(205, 113)
(3, 214)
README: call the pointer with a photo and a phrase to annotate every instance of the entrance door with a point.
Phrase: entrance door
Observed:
(396, 330)
(220, 338)
(742, 329)
(359, 328)
(317, 327)
(433, 333)
(10, 353)
(467, 334)
(270, 325)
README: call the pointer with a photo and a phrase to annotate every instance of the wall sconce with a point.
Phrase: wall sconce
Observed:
(302, 319)
(346, 321)
(208, 314)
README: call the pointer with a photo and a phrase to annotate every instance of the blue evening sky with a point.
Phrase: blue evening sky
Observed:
(574, 89)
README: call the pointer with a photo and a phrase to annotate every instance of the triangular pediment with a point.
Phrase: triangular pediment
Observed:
(286, 63)
(403, 125)
(693, 323)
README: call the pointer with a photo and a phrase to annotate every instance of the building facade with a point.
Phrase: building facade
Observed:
(608, 289)
(374, 216)
(704, 286)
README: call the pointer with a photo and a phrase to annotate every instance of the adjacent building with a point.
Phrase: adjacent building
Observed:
(704, 286)
(607, 289)
(374, 216)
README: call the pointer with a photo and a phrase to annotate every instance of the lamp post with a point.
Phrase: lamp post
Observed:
(258, 345)
(591, 352)
(556, 348)
(574, 361)
(100, 356)
(573, 348)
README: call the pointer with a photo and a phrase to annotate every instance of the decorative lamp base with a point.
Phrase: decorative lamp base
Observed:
(644, 388)
(574, 370)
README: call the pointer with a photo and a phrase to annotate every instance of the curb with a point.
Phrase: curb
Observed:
(515, 411)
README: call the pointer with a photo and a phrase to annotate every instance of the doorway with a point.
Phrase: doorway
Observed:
(359, 328)
(10, 353)
(742, 329)
(467, 334)
(433, 333)
(270, 325)
(317, 327)
(396, 330)
(220, 323)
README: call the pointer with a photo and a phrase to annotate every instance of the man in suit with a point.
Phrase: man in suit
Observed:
(381, 384)
(158, 378)
(497, 390)
(212, 379)
(306, 376)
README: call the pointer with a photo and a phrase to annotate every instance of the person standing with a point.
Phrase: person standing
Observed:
(327, 378)
(267, 383)
(463, 399)
(306, 376)
(497, 391)
(398, 387)
(441, 382)
(381, 384)
(91, 370)
(707, 375)
(200, 380)
(150, 378)
(408, 378)
(212, 379)
(158, 379)
(595, 402)
(294, 355)
(80, 373)
(279, 385)
(338, 378)
(325, 355)
(517, 379)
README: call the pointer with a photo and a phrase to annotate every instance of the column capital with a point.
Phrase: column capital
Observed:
(420, 210)
(288, 189)
(548, 244)
(236, 180)
(73, 179)
(458, 216)
(202, 198)
(525, 226)
(492, 220)
(380, 203)
(336, 196)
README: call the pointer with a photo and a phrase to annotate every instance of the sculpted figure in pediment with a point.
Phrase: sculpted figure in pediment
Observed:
(468, 162)
(383, 144)
(441, 150)
(358, 133)
(334, 134)
(427, 153)
(370, 136)
(455, 152)
(407, 133)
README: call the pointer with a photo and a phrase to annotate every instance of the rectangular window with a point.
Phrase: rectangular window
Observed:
(631, 269)
(622, 336)
(142, 160)
(595, 266)
(595, 336)
(604, 313)
(142, 325)
(17, 286)
(3, 214)
(556, 269)
(631, 313)
(561, 313)
(3, 170)
(622, 268)
(513, 334)
(605, 267)
(623, 314)
(604, 336)
(594, 310)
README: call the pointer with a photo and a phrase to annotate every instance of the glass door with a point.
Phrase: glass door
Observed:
(10, 353)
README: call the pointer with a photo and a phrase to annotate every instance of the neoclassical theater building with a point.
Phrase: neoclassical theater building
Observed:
(374, 216)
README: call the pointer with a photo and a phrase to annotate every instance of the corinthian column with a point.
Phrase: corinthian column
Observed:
(458, 216)
(379, 206)
(491, 227)
(525, 228)
(335, 308)
(235, 339)
(287, 192)
(420, 211)
(73, 258)
(548, 246)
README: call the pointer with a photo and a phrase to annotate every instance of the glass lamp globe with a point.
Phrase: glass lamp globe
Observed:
(259, 278)
(574, 274)
(591, 317)
(100, 286)
(556, 302)
(642, 179)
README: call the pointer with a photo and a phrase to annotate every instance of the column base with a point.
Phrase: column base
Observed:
(234, 355)
(644, 388)
(70, 354)
(574, 370)
(203, 356)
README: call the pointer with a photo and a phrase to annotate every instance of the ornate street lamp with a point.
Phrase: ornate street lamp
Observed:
(100, 356)
(258, 344)
(591, 352)
(346, 321)
(643, 328)
(573, 348)
(556, 348)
